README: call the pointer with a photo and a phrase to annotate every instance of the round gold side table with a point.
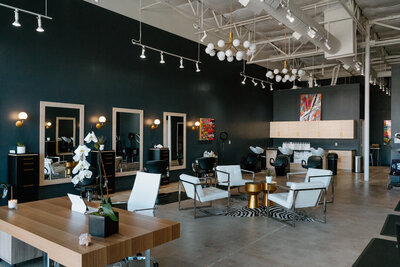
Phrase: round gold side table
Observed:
(253, 189)
(272, 188)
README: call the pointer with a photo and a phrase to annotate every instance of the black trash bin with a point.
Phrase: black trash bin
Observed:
(332, 162)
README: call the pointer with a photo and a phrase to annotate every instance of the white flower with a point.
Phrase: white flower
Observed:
(76, 179)
(82, 165)
(91, 137)
(81, 150)
(85, 174)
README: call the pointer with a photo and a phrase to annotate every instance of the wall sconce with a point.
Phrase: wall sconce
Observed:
(47, 124)
(101, 122)
(21, 116)
(155, 124)
(196, 125)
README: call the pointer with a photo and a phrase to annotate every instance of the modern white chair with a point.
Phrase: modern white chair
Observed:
(144, 193)
(299, 196)
(233, 173)
(316, 175)
(194, 190)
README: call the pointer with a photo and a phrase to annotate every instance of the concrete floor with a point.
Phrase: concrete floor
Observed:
(356, 216)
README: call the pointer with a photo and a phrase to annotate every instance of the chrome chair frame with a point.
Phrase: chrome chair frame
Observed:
(238, 187)
(332, 183)
(197, 196)
(293, 209)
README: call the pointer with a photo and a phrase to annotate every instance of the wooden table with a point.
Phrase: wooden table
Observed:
(51, 226)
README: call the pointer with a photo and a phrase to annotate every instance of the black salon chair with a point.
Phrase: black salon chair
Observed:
(251, 162)
(88, 188)
(312, 162)
(158, 166)
(281, 164)
(206, 166)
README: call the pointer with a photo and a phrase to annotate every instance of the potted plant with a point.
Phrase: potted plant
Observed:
(268, 176)
(21, 148)
(101, 140)
(104, 221)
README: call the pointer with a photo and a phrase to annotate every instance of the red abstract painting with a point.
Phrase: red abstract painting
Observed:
(207, 129)
(310, 107)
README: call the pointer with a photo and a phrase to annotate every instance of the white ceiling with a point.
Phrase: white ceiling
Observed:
(189, 18)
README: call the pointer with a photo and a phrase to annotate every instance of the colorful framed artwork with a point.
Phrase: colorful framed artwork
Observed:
(387, 131)
(207, 129)
(310, 107)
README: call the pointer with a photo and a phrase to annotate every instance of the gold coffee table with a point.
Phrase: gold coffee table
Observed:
(272, 188)
(253, 189)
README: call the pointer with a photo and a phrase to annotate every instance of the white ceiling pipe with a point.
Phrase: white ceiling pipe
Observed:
(301, 22)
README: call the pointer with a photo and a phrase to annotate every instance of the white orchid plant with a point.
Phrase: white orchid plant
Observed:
(82, 172)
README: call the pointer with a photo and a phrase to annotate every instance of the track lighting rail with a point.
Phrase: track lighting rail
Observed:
(26, 11)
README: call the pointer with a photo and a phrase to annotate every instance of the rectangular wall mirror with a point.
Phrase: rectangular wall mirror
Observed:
(127, 134)
(175, 139)
(60, 133)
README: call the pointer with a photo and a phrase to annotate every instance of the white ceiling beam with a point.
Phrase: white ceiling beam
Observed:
(386, 42)
(387, 26)
(385, 19)
(382, 74)
(191, 6)
(281, 58)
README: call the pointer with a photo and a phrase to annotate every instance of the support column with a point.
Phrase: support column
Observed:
(367, 67)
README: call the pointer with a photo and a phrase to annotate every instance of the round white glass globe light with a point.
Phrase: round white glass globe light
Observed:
(246, 44)
(236, 42)
(221, 43)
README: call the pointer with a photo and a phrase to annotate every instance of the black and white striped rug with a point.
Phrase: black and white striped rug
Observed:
(274, 211)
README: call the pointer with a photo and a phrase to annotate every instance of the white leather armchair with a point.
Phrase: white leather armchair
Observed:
(316, 175)
(299, 195)
(233, 174)
(194, 190)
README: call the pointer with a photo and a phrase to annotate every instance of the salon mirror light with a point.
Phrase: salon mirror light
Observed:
(127, 134)
(101, 122)
(175, 139)
(58, 141)
(21, 117)
(156, 123)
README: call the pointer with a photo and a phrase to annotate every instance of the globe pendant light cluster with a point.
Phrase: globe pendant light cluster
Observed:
(231, 49)
(285, 75)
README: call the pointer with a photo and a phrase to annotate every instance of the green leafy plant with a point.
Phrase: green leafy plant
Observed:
(106, 210)
(20, 144)
(268, 172)
(101, 140)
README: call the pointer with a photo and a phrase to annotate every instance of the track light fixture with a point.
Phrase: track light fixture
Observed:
(262, 85)
(39, 22)
(162, 53)
(143, 53)
(204, 36)
(311, 32)
(254, 82)
(271, 88)
(162, 61)
(289, 16)
(244, 80)
(16, 19)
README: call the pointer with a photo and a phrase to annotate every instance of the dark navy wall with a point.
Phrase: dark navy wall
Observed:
(85, 56)
(395, 108)
(339, 102)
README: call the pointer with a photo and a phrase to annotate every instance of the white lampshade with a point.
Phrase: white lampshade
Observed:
(208, 50)
(212, 53)
(239, 54)
(284, 70)
(269, 74)
(249, 53)
(220, 54)
(246, 44)
(302, 73)
(294, 71)
(22, 116)
(221, 43)
(157, 122)
(253, 47)
(278, 78)
(236, 42)
(102, 119)
(287, 77)
(292, 78)
(276, 71)
(284, 80)
(230, 59)
(228, 53)
(210, 46)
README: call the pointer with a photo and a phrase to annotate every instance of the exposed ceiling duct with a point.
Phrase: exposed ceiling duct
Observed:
(294, 18)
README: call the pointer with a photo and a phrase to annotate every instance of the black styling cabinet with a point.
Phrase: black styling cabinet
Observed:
(23, 175)
(108, 158)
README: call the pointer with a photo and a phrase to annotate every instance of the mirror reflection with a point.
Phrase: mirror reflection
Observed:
(127, 141)
(175, 139)
(60, 135)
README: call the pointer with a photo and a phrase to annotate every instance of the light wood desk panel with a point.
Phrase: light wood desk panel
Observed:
(52, 227)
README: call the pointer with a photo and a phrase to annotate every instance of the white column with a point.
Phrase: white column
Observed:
(366, 104)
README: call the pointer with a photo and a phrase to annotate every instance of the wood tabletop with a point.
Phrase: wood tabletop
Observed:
(52, 227)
